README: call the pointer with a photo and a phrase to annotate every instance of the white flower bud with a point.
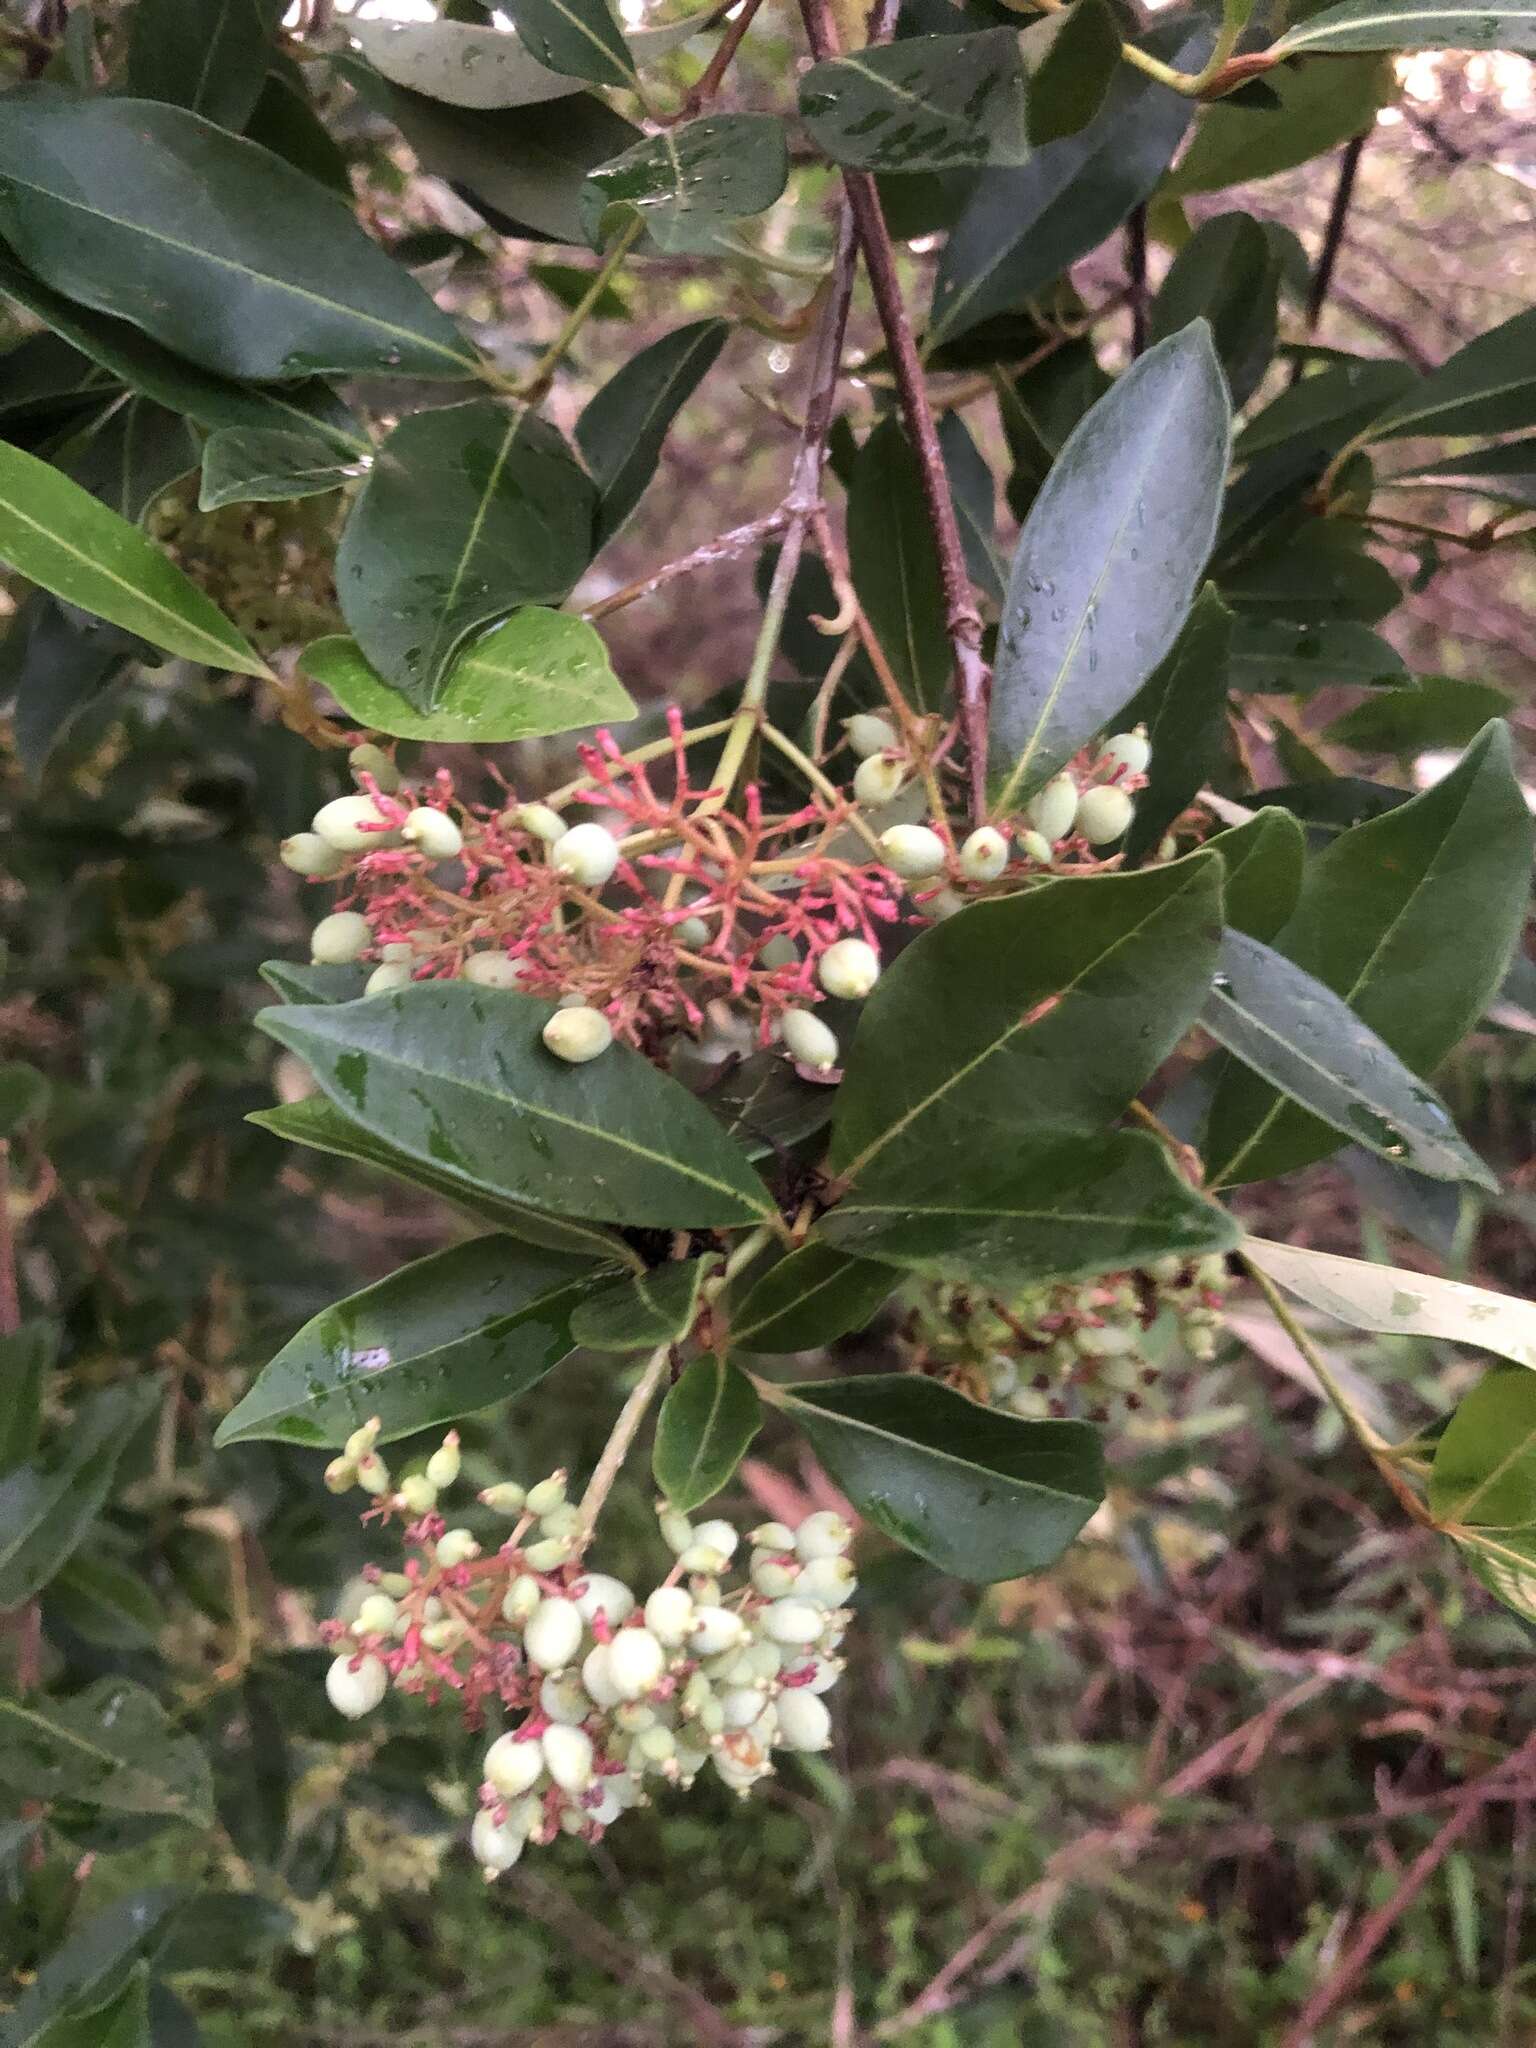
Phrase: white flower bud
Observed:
(553, 1634)
(1052, 810)
(568, 1758)
(597, 1677)
(496, 1847)
(492, 970)
(779, 951)
(1035, 846)
(1129, 751)
(719, 1535)
(339, 939)
(355, 1685)
(879, 779)
(443, 1465)
(371, 760)
(984, 855)
(385, 979)
(588, 854)
(773, 1578)
(520, 1600)
(849, 968)
(362, 1441)
(376, 1616)
(354, 824)
(825, 1580)
(824, 1534)
(446, 1634)
(563, 1698)
(636, 1661)
(395, 1584)
(703, 1558)
(743, 1705)
(599, 1593)
(372, 1474)
(716, 1629)
(914, 851)
(541, 821)
(548, 1552)
(808, 1040)
(513, 1765)
(868, 734)
(804, 1722)
(1104, 814)
(454, 1547)
(307, 854)
(578, 1035)
(772, 1536)
(340, 1476)
(417, 1495)
(657, 1745)
(547, 1495)
(738, 1775)
(793, 1621)
(676, 1530)
(691, 934)
(669, 1615)
(432, 833)
(507, 1498)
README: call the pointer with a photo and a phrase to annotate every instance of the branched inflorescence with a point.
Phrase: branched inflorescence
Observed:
(602, 1692)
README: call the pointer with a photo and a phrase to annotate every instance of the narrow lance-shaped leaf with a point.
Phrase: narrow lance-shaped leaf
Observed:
(246, 466)
(465, 65)
(1109, 559)
(1183, 705)
(621, 431)
(926, 103)
(541, 672)
(1484, 1471)
(207, 55)
(1414, 25)
(1227, 275)
(1487, 387)
(894, 564)
(110, 1746)
(1321, 105)
(581, 38)
(130, 457)
(642, 1310)
(84, 1973)
(26, 1359)
(706, 1423)
(458, 1077)
(57, 535)
(981, 1495)
(1079, 64)
(810, 1296)
(47, 1506)
(1264, 859)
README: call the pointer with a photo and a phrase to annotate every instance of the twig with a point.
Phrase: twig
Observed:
(1136, 268)
(616, 1450)
(710, 81)
(537, 382)
(725, 547)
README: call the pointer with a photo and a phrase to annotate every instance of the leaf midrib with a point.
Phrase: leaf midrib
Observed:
(910, 1448)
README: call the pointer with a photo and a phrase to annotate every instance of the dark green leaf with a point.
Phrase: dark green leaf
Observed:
(1321, 105)
(91, 1966)
(24, 1094)
(895, 566)
(1484, 1471)
(1067, 89)
(308, 981)
(1051, 1202)
(460, 64)
(643, 1310)
(284, 121)
(260, 466)
(1109, 560)
(1507, 473)
(1378, 910)
(132, 455)
(458, 1077)
(687, 185)
(124, 2021)
(974, 491)
(926, 103)
(476, 1324)
(468, 512)
(1286, 1026)
(809, 1297)
(1226, 274)
(45, 378)
(1488, 387)
(58, 536)
(48, 1505)
(1264, 860)
(1048, 1006)
(540, 672)
(1431, 712)
(578, 38)
(1397, 25)
(1183, 706)
(621, 431)
(26, 1359)
(266, 277)
(981, 1495)
(207, 55)
(1328, 408)
(63, 661)
(1316, 570)
(1277, 655)
(702, 1433)
(106, 1602)
(110, 1746)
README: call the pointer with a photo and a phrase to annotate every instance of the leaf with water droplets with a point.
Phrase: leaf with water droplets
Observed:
(926, 103)
(111, 1746)
(982, 1495)
(706, 1423)
(1414, 25)
(476, 1324)
(464, 65)
(642, 1310)
(579, 38)
(688, 185)
(253, 466)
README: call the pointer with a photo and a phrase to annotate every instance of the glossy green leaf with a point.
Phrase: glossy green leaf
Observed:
(1263, 862)
(1414, 25)
(57, 535)
(981, 1495)
(1080, 64)
(642, 1310)
(26, 1359)
(895, 566)
(476, 1324)
(317, 1123)
(1321, 105)
(106, 1602)
(687, 185)
(974, 490)
(1327, 408)
(1051, 1202)
(621, 431)
(311, 981)
(1225, 274)
(134, 454)
(261, 466)
(1279, 656)
(810, 1296)
(1022, 228)
(1303, 573)
(1487, 387)
(1288, 1027)
(207, 55)
(123, 2022)
(467, 512)
(926, 103)
(1484, 1472)
(265, 277)
(1183, 705)
(578, 38)
(706, 1423)
(1378, 911)
(90, 1967)
(1048, 1006)
(110, 1746)
(285, 121)
(541, 672)
(458, 1077)
(1109, 560)
(464, 64)
(1393, 1302)
(1506, 473)
(47, 1506)
(1431, 712)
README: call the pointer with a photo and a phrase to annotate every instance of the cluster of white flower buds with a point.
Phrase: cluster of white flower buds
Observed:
(605, 1691)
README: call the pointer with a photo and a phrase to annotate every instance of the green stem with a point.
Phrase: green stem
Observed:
(536, 383)
(822, 784)
(617, 1448)
(749, 712)
(653, 750)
